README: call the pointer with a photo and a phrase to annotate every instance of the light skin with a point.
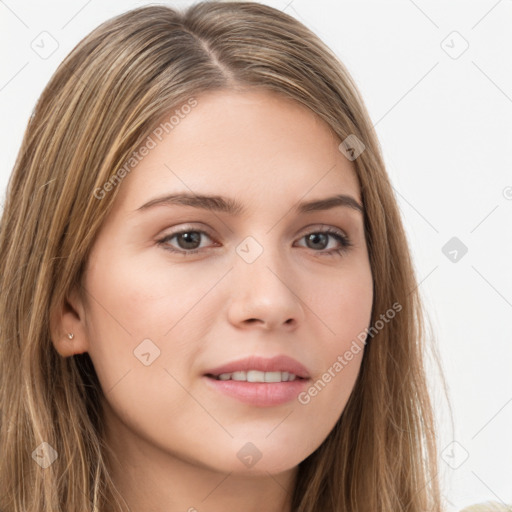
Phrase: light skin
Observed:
(175, 438)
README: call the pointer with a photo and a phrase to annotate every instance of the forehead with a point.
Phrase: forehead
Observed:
(244, 144)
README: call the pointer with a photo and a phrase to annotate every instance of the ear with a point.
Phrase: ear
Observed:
(69, 317)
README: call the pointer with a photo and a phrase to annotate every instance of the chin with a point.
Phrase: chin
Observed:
(264, 468)
(248, 460)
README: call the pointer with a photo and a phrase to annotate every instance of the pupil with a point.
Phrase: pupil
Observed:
(189, 239)
(314, 237)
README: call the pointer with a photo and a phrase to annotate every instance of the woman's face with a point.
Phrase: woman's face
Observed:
(163, 310)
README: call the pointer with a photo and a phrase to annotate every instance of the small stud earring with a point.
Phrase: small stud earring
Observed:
(71, 335)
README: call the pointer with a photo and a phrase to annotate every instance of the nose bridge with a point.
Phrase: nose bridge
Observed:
(260, 258)
(262, 286)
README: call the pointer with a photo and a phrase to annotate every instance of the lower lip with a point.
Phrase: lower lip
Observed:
(261, 394)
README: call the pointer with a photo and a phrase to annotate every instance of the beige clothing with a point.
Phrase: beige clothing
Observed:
(489, 506)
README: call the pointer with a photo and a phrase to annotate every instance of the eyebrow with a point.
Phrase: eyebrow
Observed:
(230, 206)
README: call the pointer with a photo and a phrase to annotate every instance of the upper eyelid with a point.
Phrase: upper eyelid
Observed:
(307, 229)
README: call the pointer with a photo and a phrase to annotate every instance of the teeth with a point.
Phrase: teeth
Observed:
(257, 376)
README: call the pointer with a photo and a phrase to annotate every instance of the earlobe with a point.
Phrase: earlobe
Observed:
(67, 326)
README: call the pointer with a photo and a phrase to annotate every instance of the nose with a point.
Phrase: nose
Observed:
(264, 293)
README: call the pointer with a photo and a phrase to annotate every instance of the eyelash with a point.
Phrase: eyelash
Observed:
(343, 239)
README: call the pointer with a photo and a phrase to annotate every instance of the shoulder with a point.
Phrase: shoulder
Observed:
(489, 506)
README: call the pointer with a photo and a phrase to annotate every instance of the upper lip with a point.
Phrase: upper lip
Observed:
(279, 363)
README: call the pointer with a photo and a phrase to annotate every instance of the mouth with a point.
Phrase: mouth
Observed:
(257, 388)
(259, 381)
(256, 376)
(258, 369)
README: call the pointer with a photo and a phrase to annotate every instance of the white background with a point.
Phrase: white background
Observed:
(443, 117)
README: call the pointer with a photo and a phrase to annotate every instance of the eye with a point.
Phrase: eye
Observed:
(321, 237)
(189, 241)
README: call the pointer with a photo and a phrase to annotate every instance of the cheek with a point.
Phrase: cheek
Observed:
(343, 303)
(131, 301)
(141, 296)
(344, 309)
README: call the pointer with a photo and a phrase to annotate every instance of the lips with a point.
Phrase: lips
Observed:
(242, 380)
(279, 363)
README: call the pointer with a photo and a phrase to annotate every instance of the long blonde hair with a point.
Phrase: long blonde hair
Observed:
(100, 105)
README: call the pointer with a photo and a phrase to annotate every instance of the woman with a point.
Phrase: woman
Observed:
(172, 336)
